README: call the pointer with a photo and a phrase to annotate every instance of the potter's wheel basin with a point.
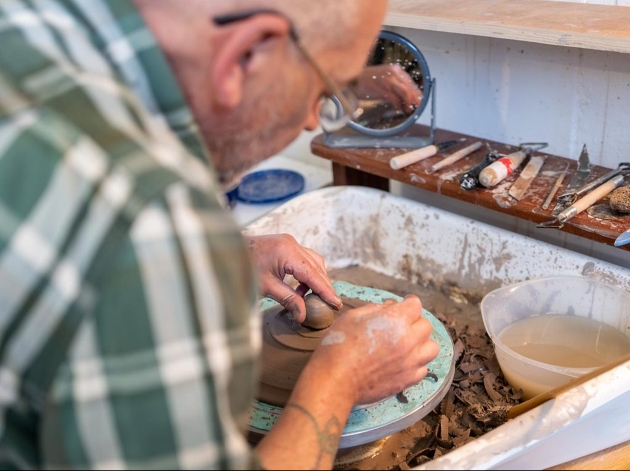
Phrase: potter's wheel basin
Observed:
(287, 346)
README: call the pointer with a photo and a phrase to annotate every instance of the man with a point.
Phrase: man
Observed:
(128, 328)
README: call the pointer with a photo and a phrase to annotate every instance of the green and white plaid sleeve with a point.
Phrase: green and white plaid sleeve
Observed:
(127, 330)
(159, 377)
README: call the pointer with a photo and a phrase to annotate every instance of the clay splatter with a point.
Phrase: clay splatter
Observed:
(334, 338)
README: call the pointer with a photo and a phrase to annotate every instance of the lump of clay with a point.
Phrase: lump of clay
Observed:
(620, 199)
(319, 315)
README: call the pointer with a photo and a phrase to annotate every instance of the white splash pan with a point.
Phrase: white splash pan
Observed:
(412, 241)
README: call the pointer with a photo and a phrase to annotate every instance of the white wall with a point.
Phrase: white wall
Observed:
(512, 92)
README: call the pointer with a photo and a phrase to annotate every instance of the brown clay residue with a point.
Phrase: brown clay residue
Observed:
(319, 315)
(478, 399)
(287, 346)
(476, 403)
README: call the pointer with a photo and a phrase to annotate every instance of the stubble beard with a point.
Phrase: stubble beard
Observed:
(237, 152)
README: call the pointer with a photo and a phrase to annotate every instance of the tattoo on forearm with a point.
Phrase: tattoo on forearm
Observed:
(328, 438)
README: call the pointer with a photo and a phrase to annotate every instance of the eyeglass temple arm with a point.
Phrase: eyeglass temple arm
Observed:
(332, 86)
(229, 18)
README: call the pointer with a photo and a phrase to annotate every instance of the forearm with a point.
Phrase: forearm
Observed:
(368, 354)
(306, 436)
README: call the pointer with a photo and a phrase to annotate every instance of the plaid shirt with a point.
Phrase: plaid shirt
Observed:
(127, 334)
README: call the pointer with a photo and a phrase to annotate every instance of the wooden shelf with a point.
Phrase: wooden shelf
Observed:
(587, 26)
(370, 167)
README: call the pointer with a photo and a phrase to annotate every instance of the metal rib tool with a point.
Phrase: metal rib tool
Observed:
(579, 179)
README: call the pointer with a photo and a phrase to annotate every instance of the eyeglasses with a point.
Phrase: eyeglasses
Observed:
(339, 106)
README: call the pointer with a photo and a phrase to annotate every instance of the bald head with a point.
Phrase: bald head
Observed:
(322, 23)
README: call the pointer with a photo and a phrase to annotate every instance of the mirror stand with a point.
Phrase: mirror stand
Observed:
(408, 139)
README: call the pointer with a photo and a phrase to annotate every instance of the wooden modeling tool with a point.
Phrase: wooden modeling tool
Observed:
(455, 157)
(404, 160)
(585, 203)
(527, 176)
(570, 197)
(554, 189)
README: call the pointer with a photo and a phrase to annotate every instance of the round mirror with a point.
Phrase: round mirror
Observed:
(393, 89)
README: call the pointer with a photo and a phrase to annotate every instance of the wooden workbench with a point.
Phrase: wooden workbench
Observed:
(370, 167)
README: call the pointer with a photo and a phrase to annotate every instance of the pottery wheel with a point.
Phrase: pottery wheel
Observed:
(287, 347)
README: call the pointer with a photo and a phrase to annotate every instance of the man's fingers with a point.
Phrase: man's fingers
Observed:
(318, 261)
(410, 307)
(302, 289)
(429, 351)
(289, 299)
(424, 354)
(310, 275)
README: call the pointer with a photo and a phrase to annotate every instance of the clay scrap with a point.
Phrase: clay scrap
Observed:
(477, 401)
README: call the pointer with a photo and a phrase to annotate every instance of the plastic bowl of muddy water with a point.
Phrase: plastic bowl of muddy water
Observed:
(548, 331)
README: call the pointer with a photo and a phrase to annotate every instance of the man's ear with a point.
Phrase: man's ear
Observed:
(240, 50)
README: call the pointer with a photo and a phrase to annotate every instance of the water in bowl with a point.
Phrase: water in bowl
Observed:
(566, 341)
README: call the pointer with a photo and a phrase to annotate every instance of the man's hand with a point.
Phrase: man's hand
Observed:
(392, 83)
(369, 353)
(275, 257)
(377, 350)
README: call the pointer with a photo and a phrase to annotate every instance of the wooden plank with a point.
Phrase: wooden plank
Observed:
(617, 457)
(590, 225)
(587, 26)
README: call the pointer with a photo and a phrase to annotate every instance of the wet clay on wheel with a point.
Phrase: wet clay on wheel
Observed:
(287, 346)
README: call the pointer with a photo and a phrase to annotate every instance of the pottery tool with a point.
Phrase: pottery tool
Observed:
(498, 171)
(423, 153)
(470, 179)
(527, 176)
(571, 196)
(455, 157)
(585, 203)
(555, 392)
(554, 189)
(623, 239)
(580, 177)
